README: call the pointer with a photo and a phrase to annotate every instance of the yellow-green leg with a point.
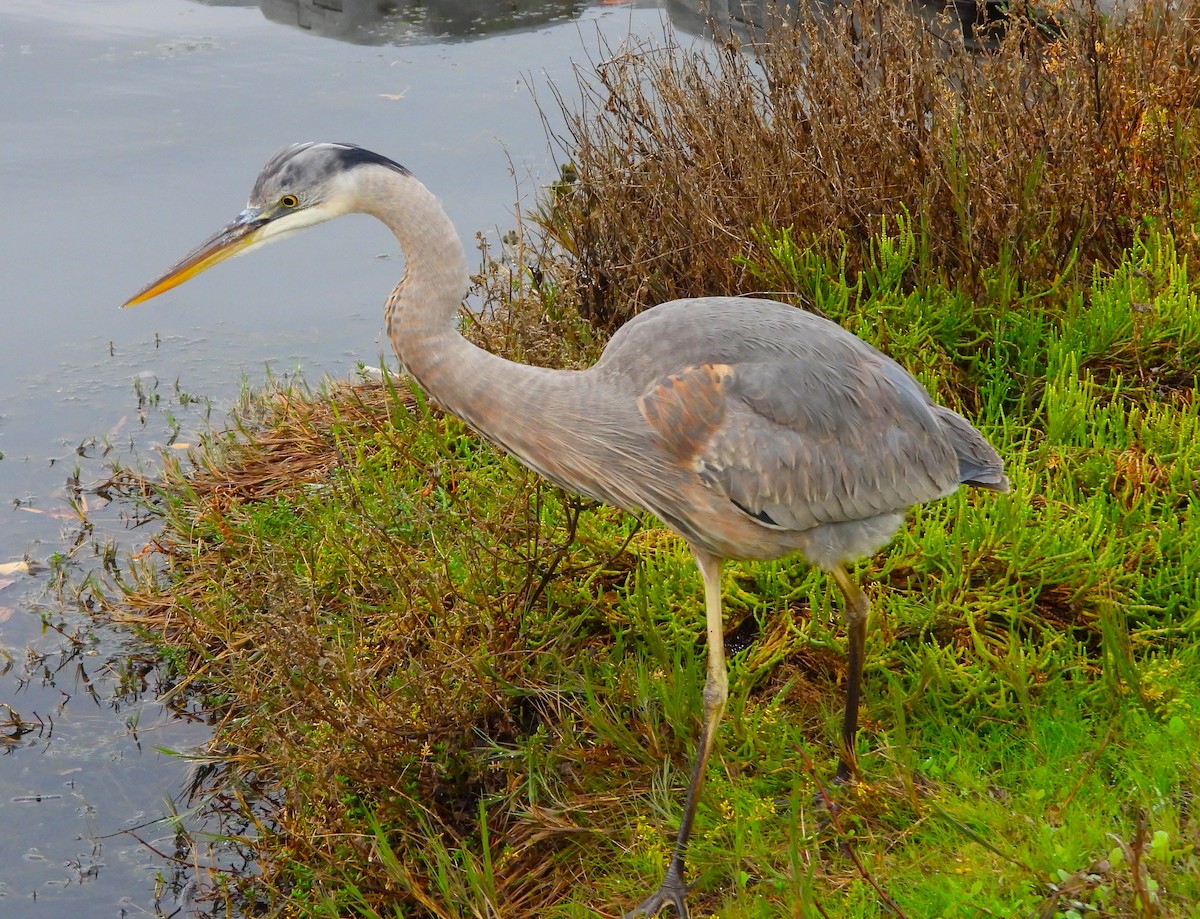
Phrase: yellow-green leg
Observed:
(673, 889)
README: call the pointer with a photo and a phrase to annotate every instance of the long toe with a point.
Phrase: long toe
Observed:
(672, 890)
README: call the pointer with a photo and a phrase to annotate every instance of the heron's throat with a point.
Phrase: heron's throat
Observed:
(495, 396)
(422, 311)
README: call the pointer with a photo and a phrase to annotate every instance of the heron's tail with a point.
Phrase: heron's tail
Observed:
(978, 462)
(992, 480)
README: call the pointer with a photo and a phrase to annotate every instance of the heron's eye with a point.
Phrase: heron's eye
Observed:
(289, 201)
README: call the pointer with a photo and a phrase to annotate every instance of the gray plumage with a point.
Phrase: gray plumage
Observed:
(751, 428)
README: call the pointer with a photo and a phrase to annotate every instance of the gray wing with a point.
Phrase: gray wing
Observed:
(800, 442)
(789, 416)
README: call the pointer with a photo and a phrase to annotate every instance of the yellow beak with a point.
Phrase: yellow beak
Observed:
(238, 236)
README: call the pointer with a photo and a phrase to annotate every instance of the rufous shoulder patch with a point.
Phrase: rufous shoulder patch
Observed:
(686, 407)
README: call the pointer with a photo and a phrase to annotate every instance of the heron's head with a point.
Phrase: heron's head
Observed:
(301, 185)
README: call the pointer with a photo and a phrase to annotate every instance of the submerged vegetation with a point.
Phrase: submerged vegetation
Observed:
(445, 688)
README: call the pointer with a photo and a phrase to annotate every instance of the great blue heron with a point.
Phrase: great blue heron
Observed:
(751, 428)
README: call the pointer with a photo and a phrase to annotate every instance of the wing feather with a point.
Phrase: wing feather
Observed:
(796, 444)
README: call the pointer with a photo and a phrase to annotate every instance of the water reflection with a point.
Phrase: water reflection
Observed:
(402, 22)
(978, 22)
(379, 22)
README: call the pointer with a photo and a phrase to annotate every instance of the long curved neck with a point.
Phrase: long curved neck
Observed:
(495, 396)
(564, 424)
(422, 312)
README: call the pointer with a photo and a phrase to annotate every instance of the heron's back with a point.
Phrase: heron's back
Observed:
(783, 431)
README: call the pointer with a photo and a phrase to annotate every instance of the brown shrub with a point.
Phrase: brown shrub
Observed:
(1044, 154)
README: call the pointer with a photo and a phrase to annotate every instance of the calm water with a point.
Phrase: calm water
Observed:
(130, 130)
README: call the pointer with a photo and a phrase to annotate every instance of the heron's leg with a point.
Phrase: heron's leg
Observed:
(856, 620)
(673, 890)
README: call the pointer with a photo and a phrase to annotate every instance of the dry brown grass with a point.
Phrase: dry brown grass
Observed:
(396, 661)
(1042, 155)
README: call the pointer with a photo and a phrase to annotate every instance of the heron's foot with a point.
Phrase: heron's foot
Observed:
(825, 806)
(825, 797)
(672, 890)
(847, 772)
